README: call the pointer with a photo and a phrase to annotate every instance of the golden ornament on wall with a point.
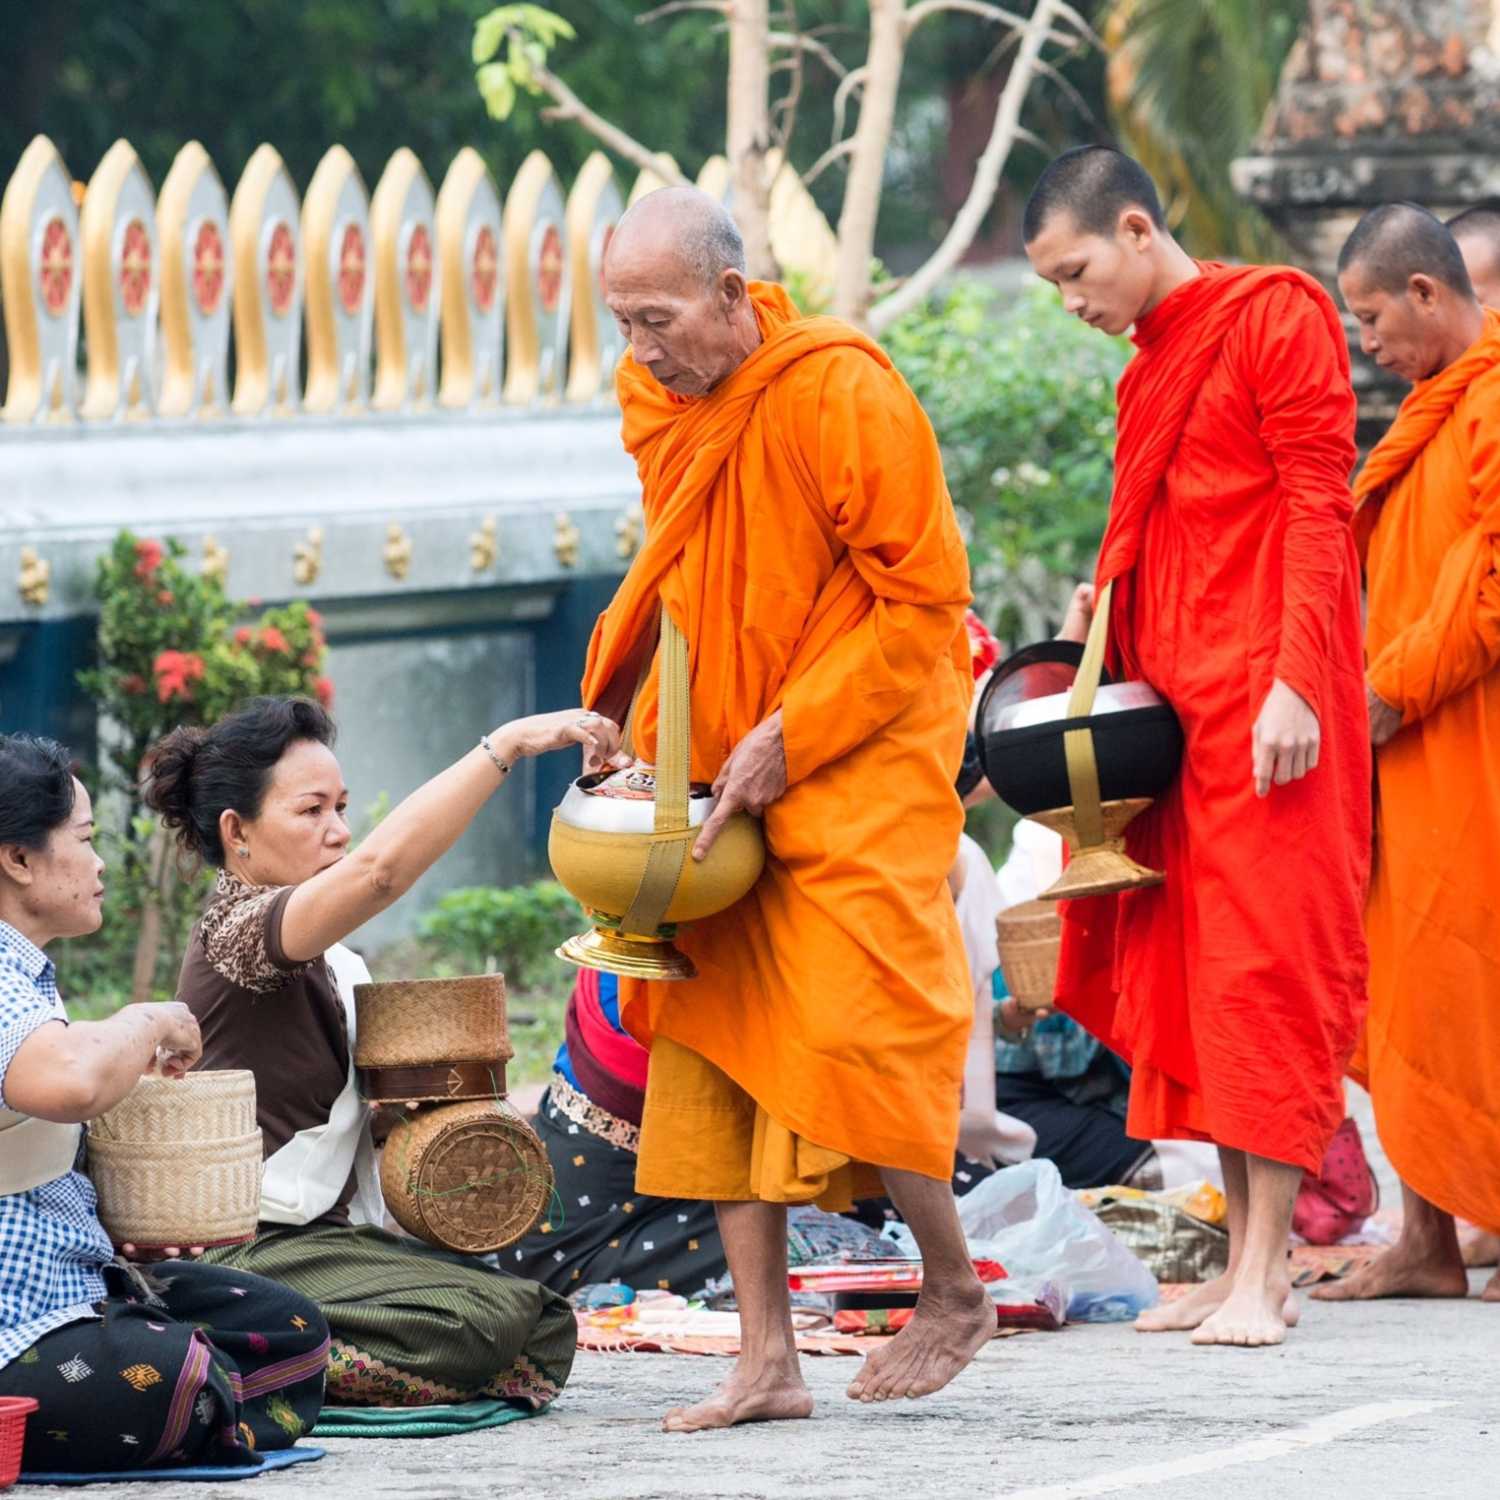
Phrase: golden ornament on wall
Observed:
(307, 557)
(215, 561)
(484, 545)
(565, 540)
(629, 530)
(35, 579)
(397, 551)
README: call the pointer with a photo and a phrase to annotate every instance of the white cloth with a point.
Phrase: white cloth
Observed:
(303, 1180)
(1034, 862)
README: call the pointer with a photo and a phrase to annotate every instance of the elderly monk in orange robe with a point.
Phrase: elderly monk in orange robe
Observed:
(1429, 523)
(1236, 988)
(799, 532)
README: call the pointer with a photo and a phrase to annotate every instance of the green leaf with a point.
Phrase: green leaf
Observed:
(497, 88)
(489, 32)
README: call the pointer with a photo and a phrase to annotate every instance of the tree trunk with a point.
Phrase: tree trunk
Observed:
(148, 939)
(877, 116)
(749, 136)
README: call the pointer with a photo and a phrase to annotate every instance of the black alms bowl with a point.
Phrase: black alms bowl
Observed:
(1022, 720)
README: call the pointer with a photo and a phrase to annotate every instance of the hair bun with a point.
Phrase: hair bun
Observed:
(169, 769)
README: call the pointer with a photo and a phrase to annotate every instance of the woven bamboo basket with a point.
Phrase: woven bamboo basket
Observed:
(178, 1162)
(435, 1040)
(1030, 938)
(472, 1177)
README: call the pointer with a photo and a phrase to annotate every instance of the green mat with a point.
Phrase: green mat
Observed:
(417, 1421)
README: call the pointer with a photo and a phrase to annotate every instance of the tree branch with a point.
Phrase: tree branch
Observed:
(677, 6)
(826, 160)
(800, 41)
(852, 81)
(568, 106)
(986, 177)
(926, 9)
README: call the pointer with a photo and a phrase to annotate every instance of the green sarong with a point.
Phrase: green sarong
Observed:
(416, 1326)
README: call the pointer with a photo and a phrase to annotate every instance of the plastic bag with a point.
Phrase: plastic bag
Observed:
(1024, 1217)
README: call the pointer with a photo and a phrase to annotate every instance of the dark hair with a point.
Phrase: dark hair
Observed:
(196, 775)
(1094, 185)
(36, 789)
(1396, 241)
(1482, 218)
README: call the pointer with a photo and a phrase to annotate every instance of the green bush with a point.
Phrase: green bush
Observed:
(1022, 398)
(482, 929)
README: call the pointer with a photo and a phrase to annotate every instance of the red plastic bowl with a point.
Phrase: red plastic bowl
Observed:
(13, 1413)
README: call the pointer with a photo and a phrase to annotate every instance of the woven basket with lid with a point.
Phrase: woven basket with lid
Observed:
(1030, 938)
(432, 1039)
(178, 1161)
(472, 1177)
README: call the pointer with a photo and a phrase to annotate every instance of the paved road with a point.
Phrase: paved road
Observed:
(1043, 1416)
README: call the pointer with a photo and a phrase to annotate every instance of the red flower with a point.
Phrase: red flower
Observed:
(134, 684)
(175, 671)
(243, 635)
(148, 556)
(252, 603)
(164, 597)
(324, 689)
(271, 639)
(314, 619)
(312, 658)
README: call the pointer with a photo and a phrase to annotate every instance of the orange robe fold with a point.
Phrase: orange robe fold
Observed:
(800, 533)
(1236, 989)
(1429, 519)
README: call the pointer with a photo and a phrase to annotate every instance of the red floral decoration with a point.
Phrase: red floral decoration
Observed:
(324, 689)
(271, 639)
(419, 268)
(175, 672)
(281, 269)
(549, 269)
(148, 556)
(243, 636)
(55, 271)
(484, 275)
(135, 268)
(352, 269)
(208, 268)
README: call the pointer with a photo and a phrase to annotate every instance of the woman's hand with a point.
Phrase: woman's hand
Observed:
(167, 1252)
(1080, 615)
(600, 737)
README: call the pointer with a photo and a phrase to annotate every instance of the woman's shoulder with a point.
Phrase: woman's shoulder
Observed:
(239, 935)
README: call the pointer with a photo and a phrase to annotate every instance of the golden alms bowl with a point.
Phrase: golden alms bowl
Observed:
(638, 885)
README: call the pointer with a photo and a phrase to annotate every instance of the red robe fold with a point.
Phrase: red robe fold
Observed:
(1236, 989)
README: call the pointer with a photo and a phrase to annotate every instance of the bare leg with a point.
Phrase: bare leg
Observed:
(1425, 1261)
(954, 1317)
(1203, 1301)
(1255, 1312)
(766, 1383)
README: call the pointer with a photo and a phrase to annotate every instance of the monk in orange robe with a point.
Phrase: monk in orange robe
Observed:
(1429, 525)
(1235, 989)
(799, 532)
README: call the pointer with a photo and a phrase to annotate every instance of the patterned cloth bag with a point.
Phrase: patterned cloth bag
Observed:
(1343, 1193)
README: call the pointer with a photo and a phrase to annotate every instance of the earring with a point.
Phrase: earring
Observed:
(243, 852)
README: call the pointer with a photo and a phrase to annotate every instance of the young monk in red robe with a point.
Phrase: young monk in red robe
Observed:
(1236, 988)
(799, 533)
(1429, 522)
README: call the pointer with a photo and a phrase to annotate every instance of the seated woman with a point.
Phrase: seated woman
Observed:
(193, 1363)
(260, 797)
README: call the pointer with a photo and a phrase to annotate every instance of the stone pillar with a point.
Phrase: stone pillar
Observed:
(1379, 100)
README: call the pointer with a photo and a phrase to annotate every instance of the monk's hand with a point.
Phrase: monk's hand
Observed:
(1080, 615)
(753, 777)
(1284, 741)
(1384, 720)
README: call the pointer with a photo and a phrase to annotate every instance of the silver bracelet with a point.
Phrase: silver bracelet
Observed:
(489, 749)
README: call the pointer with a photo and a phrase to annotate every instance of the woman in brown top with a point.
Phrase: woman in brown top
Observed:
(260, 797)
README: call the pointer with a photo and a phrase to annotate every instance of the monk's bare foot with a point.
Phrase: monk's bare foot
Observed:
(1479, 1246)
(1251, 1317)
(946, 1331)
(1491, 1292)
(1200, 1304)
(1402, 1271)
(768, 1393)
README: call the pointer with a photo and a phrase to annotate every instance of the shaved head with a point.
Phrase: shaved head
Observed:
(689, 223)
(1398, 241)
(1094, 185)
(1477, 231)
(674, 278)
(1403, 278)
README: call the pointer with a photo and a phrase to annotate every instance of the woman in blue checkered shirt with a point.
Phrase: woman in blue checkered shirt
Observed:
(187, 1364)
